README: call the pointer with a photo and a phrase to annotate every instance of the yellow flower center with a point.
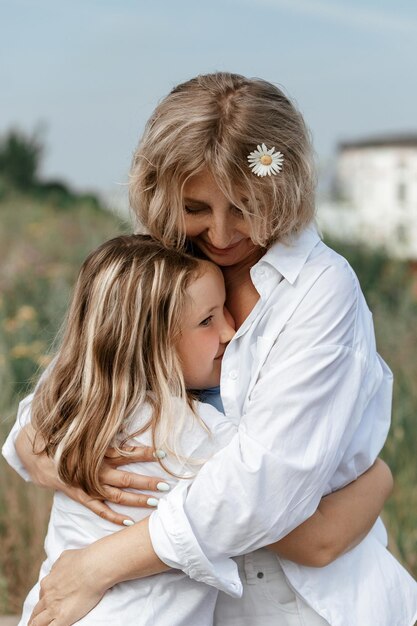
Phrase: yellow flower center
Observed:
(266, 159)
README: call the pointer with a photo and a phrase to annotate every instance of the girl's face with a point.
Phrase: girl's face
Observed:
(214, 224)
(206, 330)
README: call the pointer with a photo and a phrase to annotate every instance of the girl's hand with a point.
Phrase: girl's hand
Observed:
(43, 473)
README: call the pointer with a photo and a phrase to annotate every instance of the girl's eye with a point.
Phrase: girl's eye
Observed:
(207, 321)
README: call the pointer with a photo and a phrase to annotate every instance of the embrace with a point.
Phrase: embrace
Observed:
(222, 366)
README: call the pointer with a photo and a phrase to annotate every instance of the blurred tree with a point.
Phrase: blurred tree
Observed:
(382, 278)
(20, 158)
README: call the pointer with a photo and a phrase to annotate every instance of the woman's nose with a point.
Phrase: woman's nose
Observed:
(220, 233)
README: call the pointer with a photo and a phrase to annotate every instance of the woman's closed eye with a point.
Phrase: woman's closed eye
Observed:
(236, 211)
(193, 210)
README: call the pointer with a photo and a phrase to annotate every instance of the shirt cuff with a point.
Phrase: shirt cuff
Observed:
(9, 448)
(176, 545)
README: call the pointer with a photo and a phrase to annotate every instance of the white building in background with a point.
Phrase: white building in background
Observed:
(376, 195)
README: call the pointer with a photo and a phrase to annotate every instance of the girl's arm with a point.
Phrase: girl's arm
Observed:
(341, 521)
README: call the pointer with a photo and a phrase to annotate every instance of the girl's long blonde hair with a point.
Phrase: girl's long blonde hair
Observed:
(213, 122)
(117, 351)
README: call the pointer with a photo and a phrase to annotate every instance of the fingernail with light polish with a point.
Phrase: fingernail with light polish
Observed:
(163, 487)
(159, 454)
(152, 502)
(128, 522)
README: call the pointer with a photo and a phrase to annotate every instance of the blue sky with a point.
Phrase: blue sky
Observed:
(91, 71)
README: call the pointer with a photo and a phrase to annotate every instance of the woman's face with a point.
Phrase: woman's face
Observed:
(214, 224)
(206, 330)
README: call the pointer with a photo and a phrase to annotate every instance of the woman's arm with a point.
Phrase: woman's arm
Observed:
(341, 521)
(43, 472)
(80, 578)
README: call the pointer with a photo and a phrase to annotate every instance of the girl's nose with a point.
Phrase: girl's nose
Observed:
(227, 330)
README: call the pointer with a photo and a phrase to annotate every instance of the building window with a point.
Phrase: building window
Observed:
(401, 192)
(402, 235)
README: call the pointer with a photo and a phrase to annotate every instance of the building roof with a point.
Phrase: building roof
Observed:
(406, 140)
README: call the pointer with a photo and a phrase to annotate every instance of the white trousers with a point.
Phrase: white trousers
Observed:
(267, 599)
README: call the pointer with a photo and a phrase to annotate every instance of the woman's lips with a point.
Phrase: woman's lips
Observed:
(221, 251)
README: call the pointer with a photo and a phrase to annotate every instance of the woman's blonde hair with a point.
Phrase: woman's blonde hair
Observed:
(117, 352)
(213, 122)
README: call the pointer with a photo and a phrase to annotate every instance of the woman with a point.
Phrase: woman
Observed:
(301, 377)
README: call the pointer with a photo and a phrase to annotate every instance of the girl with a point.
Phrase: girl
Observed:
(127, 358)
(225, 164)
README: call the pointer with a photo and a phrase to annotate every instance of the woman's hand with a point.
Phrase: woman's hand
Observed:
(79, 578)
(43, 473)
(69, 592)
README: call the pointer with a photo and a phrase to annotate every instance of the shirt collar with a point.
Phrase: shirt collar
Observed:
(289, 258)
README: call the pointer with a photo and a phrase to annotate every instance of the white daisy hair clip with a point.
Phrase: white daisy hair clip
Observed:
(264, 162)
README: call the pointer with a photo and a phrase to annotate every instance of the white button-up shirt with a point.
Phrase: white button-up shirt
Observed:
(311, 399)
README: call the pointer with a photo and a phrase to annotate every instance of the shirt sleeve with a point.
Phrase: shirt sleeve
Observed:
(308, 401)
(23, 417)
(9, 447)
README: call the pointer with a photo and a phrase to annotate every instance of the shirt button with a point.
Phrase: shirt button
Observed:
(233, 374)
(260, 574)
